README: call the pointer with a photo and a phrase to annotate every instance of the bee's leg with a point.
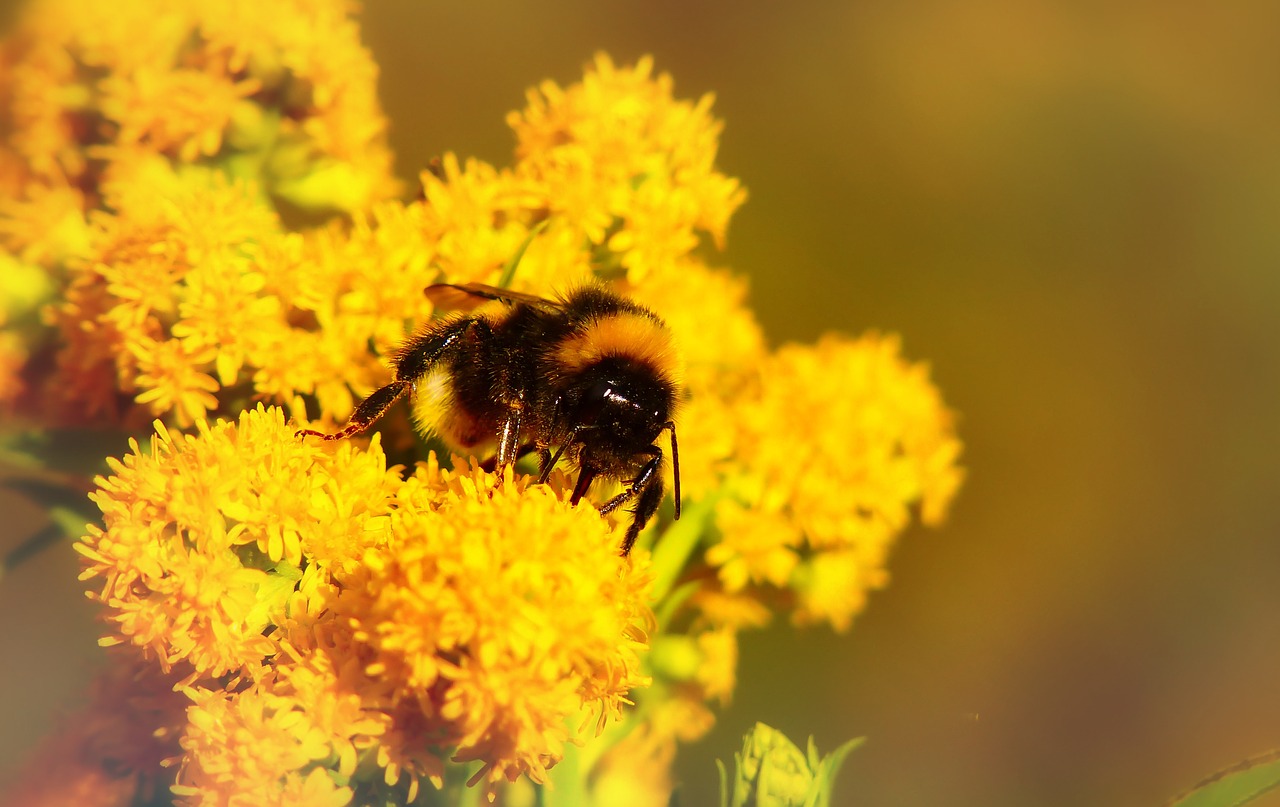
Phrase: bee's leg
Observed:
(412, 362)
(646, 478)
(490, 465)
(646, 506)
(648, 486)
(369, 410)
(544, 465)
(508, 440)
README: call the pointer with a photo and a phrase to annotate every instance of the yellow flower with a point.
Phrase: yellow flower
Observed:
(721, 345)
(288, 739)
(635, 773)
(839, 443)
(255, 748)
(172, 565)
(450, 613)
(286, 85)
(167, 299)
(173, 111)
(167, 373)
(324, 124)
(737, 610)
(44, 224)
(341, 631)
(717, 674)
(631, 167)
(194, 289)
(498, 613)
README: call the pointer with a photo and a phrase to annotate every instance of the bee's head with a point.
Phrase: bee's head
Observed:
(619, 407)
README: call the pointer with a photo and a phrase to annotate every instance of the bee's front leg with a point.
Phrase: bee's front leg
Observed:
(648, 487)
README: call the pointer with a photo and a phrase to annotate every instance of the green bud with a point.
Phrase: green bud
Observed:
(772, 771)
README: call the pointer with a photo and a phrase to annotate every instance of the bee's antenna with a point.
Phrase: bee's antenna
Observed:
(675, 465)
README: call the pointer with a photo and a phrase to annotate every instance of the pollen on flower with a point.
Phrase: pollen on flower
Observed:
(499, 612)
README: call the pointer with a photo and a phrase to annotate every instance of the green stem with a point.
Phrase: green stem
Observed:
(509, 271)
(47, 536)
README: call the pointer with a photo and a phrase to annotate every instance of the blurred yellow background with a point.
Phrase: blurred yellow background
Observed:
(1070, 210)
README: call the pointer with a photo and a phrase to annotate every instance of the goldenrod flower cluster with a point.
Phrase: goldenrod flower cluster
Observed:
(340, 631)
(444, 614)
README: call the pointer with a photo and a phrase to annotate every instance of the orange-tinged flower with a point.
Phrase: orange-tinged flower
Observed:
(109, 752)
(287, 83)
(13, 355)
(451, 613)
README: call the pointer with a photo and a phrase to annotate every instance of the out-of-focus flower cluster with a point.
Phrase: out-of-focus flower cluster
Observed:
(340, 630)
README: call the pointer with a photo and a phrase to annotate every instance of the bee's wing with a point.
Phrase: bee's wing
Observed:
(468, 296)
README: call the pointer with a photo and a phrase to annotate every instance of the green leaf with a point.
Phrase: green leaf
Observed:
(60, 454)
(51, 495)
(824, 777)
(668, 607)
(65, 524)
(45, 537)
(1240, 784)
(677, 542)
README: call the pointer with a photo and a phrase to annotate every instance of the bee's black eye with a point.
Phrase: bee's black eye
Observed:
(594, 401)
(599, 391)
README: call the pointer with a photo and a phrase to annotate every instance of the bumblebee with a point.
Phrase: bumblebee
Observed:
(591, 375)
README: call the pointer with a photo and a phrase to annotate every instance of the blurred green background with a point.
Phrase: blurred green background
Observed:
(1070, 210)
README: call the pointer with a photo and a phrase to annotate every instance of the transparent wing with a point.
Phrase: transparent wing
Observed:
(469, 296)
